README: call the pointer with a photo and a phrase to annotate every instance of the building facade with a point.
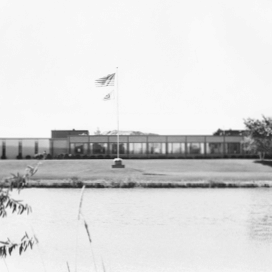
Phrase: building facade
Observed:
(79, 144)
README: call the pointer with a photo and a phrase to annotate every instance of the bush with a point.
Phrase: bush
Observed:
(200, 157)
(71, 156)
(28, 157)
(38, 156)
(60, 156)
(48, 157)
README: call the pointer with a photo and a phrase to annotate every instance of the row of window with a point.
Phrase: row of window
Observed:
(131, 148)
(155, 148)
(13, 148)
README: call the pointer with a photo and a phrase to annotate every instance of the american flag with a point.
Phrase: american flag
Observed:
(105, 81)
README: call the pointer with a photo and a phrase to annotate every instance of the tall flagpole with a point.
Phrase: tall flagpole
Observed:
(112, 80)
(117, 161)
(117, 112)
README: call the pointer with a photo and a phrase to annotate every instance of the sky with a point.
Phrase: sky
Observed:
(184, 67)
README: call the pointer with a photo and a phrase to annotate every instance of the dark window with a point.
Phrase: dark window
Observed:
(196, 148)
(233, 148)
(98, 148)
(79, 149)
(122, 149)
(20, 148)
(3, 150)
(36, 148)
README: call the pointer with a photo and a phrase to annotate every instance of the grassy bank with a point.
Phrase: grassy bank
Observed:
(145, 173)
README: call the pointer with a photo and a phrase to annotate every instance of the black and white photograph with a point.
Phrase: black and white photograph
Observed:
(136, 136)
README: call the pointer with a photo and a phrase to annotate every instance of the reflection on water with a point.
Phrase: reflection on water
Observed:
(146, 230)
(260, 216)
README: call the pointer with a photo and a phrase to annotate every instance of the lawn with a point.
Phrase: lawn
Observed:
(144, 170)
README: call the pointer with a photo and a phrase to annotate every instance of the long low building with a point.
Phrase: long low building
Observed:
(78, 143)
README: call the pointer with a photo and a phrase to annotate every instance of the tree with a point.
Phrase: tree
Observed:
(259, 136)
(97, 132)
(16, 206)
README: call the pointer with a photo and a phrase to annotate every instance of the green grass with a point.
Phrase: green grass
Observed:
(139, 171)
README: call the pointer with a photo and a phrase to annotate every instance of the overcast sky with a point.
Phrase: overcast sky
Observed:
(185, 67)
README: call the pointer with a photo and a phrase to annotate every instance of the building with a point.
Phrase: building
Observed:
(79, 144)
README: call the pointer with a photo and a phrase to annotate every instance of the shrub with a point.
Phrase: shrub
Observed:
(38, 156)
(48, 157)
(28, 157)
(60, 156)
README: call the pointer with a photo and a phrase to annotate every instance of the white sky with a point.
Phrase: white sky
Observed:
(185, 67)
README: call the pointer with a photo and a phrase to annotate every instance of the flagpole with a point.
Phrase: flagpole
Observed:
(112, 80)
(117, 112)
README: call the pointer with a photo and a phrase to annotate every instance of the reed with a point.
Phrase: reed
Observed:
(80, 218)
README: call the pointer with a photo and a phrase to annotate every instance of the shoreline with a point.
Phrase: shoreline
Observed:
(145, 184)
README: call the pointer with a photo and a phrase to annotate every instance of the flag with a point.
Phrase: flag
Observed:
(105, 81)
(109, 96)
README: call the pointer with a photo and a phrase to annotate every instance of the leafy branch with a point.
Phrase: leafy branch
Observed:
(17, 181)
(8, 247)
(15, 205)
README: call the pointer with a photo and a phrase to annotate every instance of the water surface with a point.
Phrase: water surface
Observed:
(144, 230)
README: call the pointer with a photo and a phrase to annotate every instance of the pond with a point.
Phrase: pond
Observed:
(144, 230)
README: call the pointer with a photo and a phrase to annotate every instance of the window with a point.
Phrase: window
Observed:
(176, 148)
(98, 148)
(137, 148)
(3, 150)
(233, 148)
(20, 149)
(79, 148)
(122, 148)
(214, 148)
(196, 148)
(36, 148)
(72, 147)
(157, 148)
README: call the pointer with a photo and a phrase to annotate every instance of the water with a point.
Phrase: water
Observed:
(160, 230)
